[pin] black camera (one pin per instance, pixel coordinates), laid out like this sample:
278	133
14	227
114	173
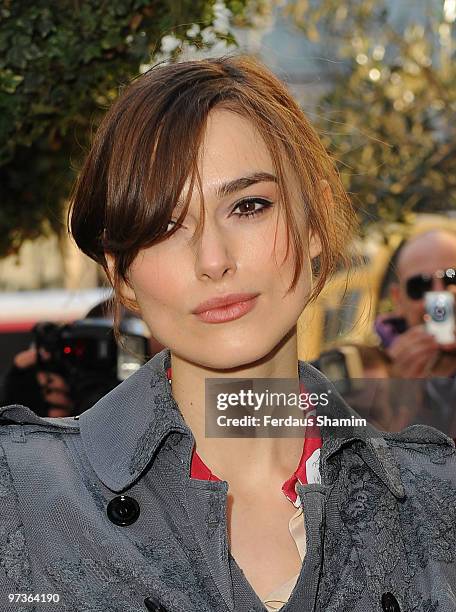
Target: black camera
343	366
86	354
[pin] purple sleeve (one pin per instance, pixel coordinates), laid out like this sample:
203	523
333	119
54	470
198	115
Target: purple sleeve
385	331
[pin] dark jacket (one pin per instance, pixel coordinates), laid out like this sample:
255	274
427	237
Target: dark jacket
101	511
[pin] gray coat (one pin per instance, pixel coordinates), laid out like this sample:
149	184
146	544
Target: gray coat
100	511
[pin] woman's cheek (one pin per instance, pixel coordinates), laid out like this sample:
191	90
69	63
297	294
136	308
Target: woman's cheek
149	280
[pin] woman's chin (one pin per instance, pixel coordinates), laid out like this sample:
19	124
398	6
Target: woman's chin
228	356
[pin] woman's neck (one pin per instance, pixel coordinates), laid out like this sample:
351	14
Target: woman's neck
231	458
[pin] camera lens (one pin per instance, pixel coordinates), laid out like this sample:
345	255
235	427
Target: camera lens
439	313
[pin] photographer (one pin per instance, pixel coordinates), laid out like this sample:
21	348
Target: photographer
70	367
424	263
423	369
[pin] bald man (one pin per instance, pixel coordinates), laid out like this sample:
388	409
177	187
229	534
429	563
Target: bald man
415	353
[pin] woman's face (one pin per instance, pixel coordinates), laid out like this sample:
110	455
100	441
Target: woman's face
234	254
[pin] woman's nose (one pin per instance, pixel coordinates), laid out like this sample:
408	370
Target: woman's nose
214	254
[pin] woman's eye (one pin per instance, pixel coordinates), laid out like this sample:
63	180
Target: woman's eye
171	224
250	204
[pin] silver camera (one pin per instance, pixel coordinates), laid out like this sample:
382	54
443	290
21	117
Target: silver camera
439	318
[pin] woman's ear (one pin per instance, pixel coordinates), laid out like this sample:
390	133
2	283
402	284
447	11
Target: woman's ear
325	198
125	293
315	247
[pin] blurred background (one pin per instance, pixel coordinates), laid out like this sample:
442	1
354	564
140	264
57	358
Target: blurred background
376	77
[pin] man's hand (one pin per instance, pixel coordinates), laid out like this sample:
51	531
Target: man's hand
414	353
448	348
54	389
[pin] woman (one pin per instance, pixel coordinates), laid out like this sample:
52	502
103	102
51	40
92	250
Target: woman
199	177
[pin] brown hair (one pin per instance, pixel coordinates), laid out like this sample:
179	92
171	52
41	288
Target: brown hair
147	146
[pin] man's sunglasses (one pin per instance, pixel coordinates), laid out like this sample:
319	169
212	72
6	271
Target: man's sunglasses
416	286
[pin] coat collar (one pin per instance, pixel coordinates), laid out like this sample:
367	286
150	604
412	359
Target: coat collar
123	431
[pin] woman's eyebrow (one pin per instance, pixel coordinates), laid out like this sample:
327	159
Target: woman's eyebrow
238	184
244	182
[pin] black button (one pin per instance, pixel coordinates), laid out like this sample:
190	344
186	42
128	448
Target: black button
153	605
389	603
123	510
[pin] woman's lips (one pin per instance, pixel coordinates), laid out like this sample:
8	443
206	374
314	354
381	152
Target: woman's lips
227	313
